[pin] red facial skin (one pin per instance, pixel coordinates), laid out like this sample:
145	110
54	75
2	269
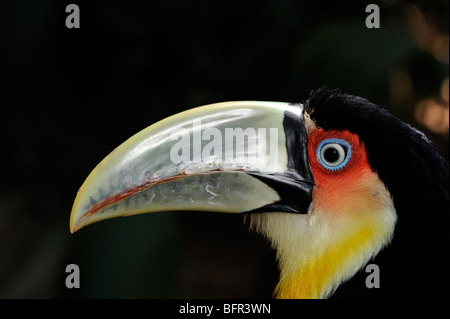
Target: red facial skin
344	188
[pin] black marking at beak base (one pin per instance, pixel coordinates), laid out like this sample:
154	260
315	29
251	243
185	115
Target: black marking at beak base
296	195
294	186
297	144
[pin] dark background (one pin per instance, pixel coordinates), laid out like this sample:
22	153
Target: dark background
70	96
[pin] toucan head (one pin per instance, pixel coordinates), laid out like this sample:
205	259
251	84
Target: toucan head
306	175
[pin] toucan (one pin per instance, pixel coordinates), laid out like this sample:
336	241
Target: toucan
335	183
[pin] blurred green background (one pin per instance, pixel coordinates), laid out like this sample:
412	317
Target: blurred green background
70	96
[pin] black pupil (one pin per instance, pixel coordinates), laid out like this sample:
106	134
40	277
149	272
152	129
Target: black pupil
331	155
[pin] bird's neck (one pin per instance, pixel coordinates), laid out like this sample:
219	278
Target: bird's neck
319	273
320	250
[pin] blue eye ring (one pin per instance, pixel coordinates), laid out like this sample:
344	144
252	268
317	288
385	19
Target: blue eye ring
341	147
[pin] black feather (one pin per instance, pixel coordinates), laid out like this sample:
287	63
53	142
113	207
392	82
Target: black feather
416	263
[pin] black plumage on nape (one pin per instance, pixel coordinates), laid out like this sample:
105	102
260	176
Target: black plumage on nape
393	147
417	178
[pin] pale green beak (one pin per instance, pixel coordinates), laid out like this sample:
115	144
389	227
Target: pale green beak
231	157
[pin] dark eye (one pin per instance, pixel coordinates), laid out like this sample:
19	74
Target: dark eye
334	153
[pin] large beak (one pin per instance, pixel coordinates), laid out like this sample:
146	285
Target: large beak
229	157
